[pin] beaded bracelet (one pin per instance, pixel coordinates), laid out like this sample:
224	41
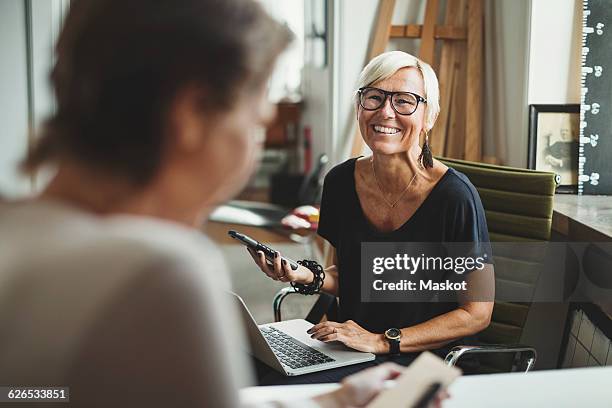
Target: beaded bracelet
316	284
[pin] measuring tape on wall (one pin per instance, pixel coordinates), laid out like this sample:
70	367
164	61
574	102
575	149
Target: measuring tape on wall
595	151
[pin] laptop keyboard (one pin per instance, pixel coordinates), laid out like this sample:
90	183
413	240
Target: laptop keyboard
292	352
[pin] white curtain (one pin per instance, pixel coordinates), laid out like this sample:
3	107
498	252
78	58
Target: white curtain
506	54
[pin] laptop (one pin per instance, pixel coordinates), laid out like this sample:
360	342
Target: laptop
286	347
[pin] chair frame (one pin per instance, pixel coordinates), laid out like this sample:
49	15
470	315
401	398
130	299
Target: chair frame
457	352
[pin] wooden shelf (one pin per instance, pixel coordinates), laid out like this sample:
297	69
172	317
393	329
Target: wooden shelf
283	132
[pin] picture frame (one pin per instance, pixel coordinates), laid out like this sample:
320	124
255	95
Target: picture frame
554	133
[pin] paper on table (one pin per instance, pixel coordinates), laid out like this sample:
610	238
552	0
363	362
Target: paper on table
415	381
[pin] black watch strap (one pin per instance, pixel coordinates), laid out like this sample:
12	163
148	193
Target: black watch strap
394	347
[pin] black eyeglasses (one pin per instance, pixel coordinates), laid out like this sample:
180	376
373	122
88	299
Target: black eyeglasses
404	103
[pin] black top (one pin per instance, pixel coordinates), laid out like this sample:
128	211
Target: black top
452	212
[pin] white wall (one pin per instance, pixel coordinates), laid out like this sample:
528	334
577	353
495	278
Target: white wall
554	57
532	57
506	59
13	97
353	26
317	86
46	21
285	80
18	111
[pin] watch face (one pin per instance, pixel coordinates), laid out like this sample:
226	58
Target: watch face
393	333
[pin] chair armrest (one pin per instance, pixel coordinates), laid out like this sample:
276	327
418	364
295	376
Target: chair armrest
278	301
457	352
326	304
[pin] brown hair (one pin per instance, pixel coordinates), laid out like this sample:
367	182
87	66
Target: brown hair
120	63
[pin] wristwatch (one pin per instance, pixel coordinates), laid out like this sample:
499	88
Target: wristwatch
393	336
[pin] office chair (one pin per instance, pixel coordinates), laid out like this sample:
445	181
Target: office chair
518	204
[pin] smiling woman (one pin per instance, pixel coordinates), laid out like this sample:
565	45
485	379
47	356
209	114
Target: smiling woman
391	62
398	194
410	80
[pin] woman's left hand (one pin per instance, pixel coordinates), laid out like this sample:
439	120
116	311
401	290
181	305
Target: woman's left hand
351	334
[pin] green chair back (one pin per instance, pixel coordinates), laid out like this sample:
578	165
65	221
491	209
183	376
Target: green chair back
518	204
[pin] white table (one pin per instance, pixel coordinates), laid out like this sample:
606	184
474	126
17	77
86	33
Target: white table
584	387
576	387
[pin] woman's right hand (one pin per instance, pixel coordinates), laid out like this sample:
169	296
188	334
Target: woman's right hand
280	270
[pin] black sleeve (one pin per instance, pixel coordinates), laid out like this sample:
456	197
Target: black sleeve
470	225
329	220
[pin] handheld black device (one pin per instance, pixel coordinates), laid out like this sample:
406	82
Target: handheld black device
428	396
258	246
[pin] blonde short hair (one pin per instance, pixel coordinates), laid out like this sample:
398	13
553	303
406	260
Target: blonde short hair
385	65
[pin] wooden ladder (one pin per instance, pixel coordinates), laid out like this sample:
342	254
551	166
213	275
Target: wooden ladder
458	129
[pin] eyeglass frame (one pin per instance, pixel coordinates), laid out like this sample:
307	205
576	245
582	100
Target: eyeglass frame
390	95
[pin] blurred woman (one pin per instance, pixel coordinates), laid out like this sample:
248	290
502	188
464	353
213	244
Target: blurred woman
107	287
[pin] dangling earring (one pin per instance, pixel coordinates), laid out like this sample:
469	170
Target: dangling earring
425	157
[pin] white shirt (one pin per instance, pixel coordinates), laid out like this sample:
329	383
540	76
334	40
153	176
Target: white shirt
126	311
